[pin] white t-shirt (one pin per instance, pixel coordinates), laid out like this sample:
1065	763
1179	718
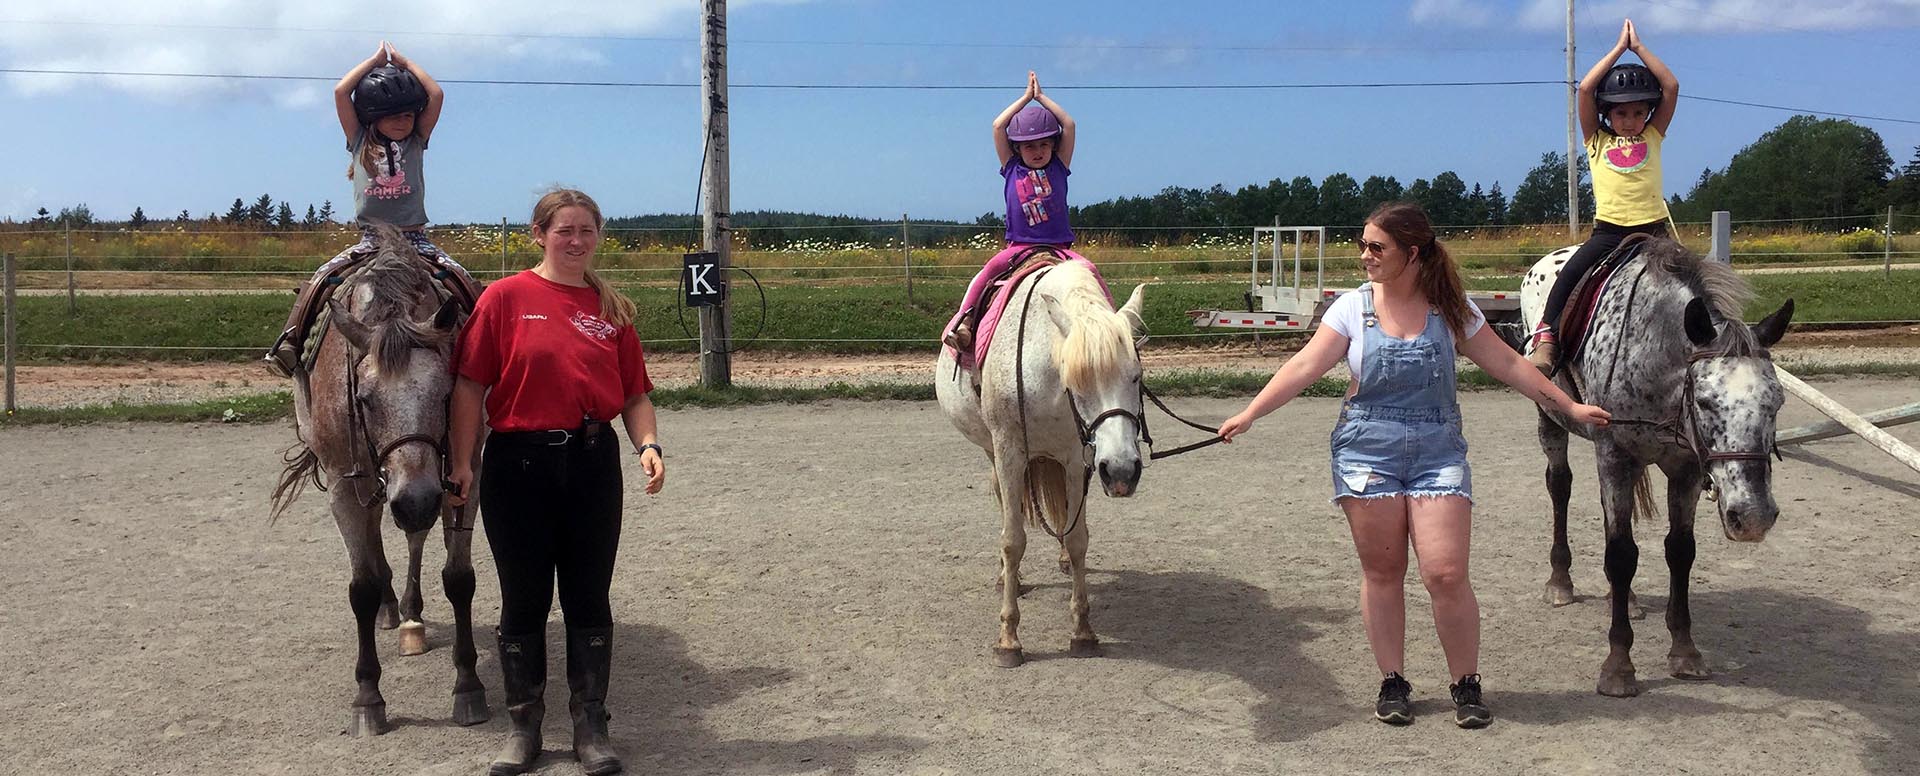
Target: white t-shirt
1348	315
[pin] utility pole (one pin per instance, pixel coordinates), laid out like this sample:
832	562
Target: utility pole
716	368
1573	135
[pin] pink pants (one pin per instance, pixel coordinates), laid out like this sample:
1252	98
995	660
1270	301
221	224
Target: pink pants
997	266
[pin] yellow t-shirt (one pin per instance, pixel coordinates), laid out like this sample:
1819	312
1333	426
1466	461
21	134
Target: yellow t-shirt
1626	177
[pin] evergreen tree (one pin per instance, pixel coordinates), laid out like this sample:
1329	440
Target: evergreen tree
1496	205
311	220
1340	202
40	217
139	218
326	211
1377	190
283	218
184	217
237	213
261	212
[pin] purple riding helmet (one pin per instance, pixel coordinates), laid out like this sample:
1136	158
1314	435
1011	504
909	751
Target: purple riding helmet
1032	123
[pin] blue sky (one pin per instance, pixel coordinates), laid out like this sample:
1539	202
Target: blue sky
166	143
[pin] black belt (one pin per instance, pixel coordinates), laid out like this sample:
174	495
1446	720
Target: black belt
555	437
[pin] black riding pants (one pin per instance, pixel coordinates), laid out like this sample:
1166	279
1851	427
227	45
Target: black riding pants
1606	237
552	512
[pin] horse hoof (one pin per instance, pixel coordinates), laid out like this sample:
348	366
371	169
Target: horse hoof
1066	567
413	638
368	721
1008	658
1688	667
1089	647
470	708
1558	596
1619	686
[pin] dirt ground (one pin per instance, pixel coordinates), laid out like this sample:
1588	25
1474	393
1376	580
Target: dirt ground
812	595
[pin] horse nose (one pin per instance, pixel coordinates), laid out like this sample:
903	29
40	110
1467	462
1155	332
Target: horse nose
416	507
1749	524
1120	479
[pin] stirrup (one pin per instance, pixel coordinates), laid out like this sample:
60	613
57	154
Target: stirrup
282	359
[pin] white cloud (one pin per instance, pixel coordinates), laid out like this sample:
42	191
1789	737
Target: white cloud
293	37
1716	16
1458	13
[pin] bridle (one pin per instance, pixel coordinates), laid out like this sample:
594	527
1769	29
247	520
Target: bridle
1083	427
377	454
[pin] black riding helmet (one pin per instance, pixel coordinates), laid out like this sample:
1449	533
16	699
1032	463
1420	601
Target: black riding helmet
385	91
1629	83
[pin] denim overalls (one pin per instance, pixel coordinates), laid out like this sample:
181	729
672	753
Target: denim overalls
1400	433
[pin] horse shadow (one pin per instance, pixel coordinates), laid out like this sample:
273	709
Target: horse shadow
1816	653
1213	624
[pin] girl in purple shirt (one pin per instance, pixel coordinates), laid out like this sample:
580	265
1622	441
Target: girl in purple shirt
1035	143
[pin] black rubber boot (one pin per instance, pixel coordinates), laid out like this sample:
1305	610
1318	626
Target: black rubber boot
523	661
589	663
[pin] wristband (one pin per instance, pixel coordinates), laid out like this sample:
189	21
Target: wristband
656	448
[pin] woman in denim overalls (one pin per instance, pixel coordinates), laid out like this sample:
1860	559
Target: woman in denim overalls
1399	461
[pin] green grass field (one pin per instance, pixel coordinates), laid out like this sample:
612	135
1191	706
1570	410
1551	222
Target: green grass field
868	318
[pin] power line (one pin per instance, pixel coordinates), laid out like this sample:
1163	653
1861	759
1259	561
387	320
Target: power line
688	40
1799	110
941	87
831	87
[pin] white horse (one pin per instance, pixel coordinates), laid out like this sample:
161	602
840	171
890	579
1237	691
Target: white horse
1058	397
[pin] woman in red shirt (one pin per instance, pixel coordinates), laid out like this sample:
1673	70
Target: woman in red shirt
552	354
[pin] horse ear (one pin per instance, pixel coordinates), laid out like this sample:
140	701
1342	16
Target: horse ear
1058	313
1771	328
1700	328
357	333
448	316
1136	303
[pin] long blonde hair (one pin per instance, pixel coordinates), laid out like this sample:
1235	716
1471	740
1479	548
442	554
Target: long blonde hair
614	307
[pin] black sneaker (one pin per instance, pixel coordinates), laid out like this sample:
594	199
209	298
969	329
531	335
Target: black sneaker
1394	706
1468	712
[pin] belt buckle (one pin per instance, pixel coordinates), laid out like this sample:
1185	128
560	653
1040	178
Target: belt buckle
565	437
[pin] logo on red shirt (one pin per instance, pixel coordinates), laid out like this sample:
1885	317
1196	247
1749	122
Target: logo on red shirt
593	327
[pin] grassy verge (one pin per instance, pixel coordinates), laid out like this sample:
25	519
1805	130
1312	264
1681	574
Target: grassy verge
835	319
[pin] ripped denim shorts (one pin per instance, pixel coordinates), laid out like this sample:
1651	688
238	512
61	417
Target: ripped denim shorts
1391	451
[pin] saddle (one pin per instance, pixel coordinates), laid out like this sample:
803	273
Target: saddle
1572	326
984	318
448	285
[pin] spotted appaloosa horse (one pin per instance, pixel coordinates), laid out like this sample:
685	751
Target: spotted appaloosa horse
1057	399
1692	391
372	418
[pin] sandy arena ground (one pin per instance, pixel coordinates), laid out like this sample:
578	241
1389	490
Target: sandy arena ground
812	595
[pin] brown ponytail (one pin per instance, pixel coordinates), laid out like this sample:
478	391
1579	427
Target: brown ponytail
1439	277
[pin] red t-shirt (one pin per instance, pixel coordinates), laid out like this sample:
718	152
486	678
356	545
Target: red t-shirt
548	358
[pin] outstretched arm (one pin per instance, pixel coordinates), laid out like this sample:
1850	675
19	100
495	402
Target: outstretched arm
1487	350
1001	145
1323	351
1063	150
343	92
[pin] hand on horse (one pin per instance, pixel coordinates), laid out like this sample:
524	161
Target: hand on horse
655	468
461	479
1589	414
1234	427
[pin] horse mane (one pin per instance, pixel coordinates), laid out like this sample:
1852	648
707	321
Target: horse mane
1725	292
398	279
1101	340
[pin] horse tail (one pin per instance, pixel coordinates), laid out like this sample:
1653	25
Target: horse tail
1047	482
1645	508
300	468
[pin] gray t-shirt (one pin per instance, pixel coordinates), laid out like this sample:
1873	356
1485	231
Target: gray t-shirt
395	192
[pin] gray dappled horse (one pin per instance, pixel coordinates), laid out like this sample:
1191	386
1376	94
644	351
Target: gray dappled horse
1691	390
1058	398
372	419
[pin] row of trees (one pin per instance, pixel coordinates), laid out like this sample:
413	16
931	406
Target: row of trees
1806	168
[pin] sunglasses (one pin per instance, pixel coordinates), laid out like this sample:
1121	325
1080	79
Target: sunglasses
1369	246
